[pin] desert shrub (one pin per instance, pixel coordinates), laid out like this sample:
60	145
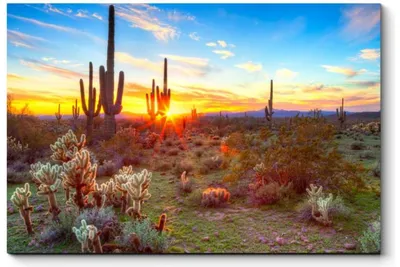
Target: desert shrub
132	160
270	193
198	153
198	142
169	142
108	168
182	166
377	170
17	177
210	164
215	197
370	241
182	147
58	231
357	145
151	140
185	184
148	236
194	199
104	219
15	148
163	150
367	155
163	166
173	152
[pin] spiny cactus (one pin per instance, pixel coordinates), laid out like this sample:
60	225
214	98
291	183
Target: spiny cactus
107	82
324	205
75	114
94	237
137	187
58	114
48	179
186	185
104	194
82	235
120	179
215	197
269	108
341	114
80	175
314	193
66	146
20	198
91	109
162	221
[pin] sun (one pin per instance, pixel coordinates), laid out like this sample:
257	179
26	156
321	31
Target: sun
168	114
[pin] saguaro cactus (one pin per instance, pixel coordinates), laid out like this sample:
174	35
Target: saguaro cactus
164	99
58	114
269	108
194	113
20	198
48	178
107	82
341	114
151	105
91	109
75	114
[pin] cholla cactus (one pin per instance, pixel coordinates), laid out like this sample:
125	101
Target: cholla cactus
314	193
82	234
66	146
323	207
161	223
120	179
48	179
20	198
15	146
104	194
186	185
259	168
215	197
80	174
137	187
94	237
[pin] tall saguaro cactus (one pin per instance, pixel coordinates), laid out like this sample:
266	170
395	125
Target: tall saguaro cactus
107	81
75	114
269	108
91	109
164	98
341	114
58	114
151	106
194	113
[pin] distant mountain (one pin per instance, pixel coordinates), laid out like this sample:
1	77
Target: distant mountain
278	113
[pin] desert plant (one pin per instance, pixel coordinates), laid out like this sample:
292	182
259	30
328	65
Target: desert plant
182	166
162	221
58	231
121	178
58	115
357	145
110	107
173	152
75	115
137	187
151	106
341	114
215	197
268	109
88	236
320	205
370	241
80	174
185	184
15	148
48	179
66	146
108	168
91	109
20	198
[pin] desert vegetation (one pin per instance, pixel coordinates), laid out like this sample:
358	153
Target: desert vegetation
189	183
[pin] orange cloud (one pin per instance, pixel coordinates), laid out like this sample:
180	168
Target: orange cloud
38	66
345	71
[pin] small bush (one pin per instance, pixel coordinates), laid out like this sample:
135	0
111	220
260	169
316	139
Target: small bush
198	153
377	170
211	163
58	231
370	241
173	152
357	146
367	155
183	166
17	177
163	166
131	160
269	193
198	142
108	168
168	142
148	236
215	197
214	142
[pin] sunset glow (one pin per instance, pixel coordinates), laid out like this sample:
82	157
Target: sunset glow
316	54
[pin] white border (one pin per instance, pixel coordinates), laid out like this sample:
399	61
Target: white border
390	175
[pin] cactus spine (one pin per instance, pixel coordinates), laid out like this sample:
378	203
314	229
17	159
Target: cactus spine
91	109
341	114
20	198
107	82
58	114
75	114
269	109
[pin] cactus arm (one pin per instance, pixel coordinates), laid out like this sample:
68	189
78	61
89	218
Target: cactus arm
103	91
98	108
120	91
83	100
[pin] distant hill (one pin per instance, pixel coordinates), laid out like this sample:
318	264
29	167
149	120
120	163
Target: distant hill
278	113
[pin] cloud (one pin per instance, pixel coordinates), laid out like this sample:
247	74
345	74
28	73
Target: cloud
222	44
250	66
370	54
56	61
285	74
20	39
361	22
194	36
48	8
211	44
57	27
312	88
138	62
82	14
43	67
348	72
196	61
224	53
97	16
365	83
146	17
177	16
13	76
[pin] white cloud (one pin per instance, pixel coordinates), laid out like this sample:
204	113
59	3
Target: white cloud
179	16
348	72
285	74
194	36
211	44
250	66
82	14
224	53
222	44
97	16
361	22
370	54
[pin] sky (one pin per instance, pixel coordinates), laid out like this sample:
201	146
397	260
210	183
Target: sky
220	56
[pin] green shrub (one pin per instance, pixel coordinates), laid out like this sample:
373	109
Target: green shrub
370	241
357	145
58	231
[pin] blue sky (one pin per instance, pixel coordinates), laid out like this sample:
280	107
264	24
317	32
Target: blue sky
221	56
